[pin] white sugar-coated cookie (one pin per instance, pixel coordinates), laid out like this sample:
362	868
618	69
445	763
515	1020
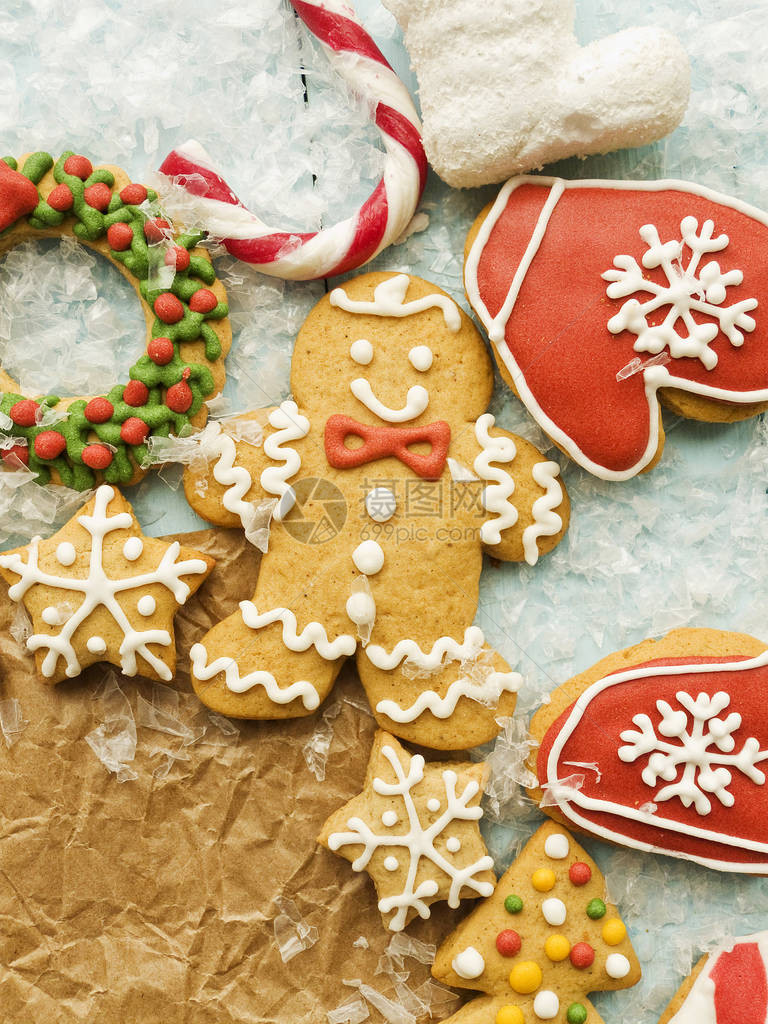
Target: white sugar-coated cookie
505	86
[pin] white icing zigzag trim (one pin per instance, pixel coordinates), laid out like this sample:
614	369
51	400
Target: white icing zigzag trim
445	647
289	425
547	522
488	692
238	481
313	634
495	496
419	841
239	684
389	300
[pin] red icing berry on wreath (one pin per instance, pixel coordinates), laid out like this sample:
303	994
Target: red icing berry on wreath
98	196
160	351
16	451
508	942
177	257
580	873
120	236
168	308
134	431
97	456
18	196
582	956
179	396
203	301
133	195
78	166
156	229
61	198
49	444
135	393
24	413
98	410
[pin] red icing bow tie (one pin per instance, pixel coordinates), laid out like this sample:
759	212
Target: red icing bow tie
379	442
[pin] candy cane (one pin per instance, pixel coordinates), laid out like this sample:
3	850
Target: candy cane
385	214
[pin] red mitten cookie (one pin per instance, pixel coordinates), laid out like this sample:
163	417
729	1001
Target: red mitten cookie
601	297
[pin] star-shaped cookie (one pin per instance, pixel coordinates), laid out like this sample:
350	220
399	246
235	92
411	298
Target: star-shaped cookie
100	590
414	829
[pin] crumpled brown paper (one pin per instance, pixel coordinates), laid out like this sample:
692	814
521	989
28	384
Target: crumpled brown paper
153	901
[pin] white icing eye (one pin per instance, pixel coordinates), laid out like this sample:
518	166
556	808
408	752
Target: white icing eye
421	357
146	605
96	644
132	548
390	863
361	351
389	818
65	553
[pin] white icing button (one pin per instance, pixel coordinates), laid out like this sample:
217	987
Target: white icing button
96	644
132	548
546	1005
51	616
361	351
361	608
453	845
146	605
433	804
380	504
469	963
421	357
390	863
65	553
389	818
368	558
617	966
557	846
554	912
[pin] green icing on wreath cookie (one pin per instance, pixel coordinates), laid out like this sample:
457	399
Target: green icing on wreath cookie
107	435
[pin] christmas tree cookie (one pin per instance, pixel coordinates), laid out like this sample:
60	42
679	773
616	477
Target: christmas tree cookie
414	829
546	938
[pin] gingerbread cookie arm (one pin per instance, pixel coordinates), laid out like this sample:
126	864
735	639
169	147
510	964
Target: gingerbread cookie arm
525	502
241	476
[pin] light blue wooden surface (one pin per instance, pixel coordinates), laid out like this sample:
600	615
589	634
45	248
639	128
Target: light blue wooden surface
681	546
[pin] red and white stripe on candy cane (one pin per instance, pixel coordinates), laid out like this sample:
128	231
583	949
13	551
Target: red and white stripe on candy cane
381	219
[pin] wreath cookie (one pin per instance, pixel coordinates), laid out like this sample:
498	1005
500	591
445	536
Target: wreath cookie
188	332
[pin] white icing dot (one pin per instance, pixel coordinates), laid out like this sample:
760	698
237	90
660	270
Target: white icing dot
389	818
469	963
421	357
146	605
557	846
453	845
361	351
361	608
51	616
380	504
65	553
368	557
96	644
617	966
546	1005
132	548
554	912
433	804
390	863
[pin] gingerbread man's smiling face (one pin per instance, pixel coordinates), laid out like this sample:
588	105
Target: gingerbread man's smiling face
390	349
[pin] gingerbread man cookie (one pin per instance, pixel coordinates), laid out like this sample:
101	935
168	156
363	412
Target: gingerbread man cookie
391	480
